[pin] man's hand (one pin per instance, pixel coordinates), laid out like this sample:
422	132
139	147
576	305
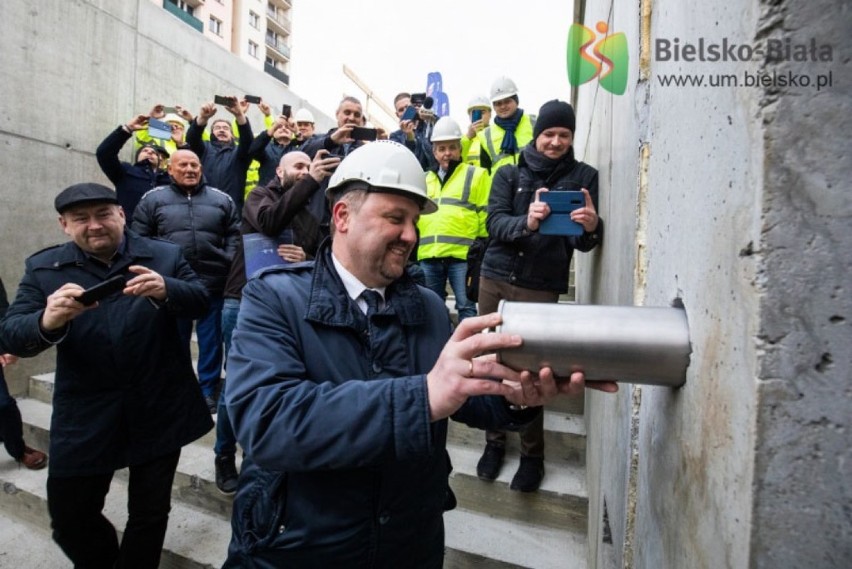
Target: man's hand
158	111
291	253
538	211
280	122
183	113
7	359
322	165
206	112
459	373
139	122
146	283
343	134
474	128
586	216
238	109
62	307
537	390
407	127
381	134
264	108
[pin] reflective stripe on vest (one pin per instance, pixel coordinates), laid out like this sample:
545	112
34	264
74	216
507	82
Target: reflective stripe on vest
492	153
446	239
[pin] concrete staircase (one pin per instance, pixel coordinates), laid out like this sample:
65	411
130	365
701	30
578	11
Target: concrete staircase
493	527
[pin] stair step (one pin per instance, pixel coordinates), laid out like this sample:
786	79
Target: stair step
194	540
195	477
564	437
476	540
28	546
560	502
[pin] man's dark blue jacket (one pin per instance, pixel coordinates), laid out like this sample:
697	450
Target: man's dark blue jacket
224	164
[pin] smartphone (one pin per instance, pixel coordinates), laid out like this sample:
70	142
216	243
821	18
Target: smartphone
362	133
410	113
226	101
562	203
101	290
168	110
253	99
286	110
159	129
476	115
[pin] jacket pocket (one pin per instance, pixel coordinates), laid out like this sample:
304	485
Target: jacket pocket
260	508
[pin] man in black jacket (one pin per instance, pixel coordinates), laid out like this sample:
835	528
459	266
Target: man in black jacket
132	180
224	160
522	264
277	211
125	393
205	223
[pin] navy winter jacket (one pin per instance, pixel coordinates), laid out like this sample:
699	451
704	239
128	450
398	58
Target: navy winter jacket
125	390
224	164
343	467
131	181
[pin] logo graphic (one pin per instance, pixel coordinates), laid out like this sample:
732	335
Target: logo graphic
608	64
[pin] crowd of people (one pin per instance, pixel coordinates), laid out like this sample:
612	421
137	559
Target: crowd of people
314	269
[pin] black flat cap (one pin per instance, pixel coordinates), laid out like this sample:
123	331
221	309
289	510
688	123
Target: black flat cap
85	193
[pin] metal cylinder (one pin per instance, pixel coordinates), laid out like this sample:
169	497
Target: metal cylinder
634	344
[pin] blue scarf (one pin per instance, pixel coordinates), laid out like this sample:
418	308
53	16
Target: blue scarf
510	143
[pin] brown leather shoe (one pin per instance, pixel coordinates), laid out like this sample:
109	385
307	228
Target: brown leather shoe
33	459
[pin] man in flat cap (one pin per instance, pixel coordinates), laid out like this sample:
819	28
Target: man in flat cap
125	392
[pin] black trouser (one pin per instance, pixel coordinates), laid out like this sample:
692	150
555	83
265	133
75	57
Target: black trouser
89	539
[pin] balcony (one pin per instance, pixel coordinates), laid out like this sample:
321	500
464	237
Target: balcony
191	21
278	21
277	73
282	49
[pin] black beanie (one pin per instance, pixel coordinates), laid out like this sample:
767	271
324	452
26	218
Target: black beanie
554	113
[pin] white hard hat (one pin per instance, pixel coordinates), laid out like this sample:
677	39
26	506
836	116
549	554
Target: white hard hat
304	115
503	88
478	102
172	117
446	129
384	164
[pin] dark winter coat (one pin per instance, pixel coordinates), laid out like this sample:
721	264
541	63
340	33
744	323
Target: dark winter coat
204	223
125	390
268	154
224	164
525	258
131	181
343	467
271	209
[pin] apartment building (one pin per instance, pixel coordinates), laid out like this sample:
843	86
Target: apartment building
256	30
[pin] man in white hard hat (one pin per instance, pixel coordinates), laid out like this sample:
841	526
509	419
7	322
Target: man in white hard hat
461	192
479	112
501	142
342	375
305	124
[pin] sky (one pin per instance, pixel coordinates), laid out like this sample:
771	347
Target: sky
392	45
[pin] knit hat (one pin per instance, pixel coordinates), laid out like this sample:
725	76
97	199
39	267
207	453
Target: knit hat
554	113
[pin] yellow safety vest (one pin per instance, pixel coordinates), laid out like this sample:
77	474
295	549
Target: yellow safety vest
491	137
460	219
470	150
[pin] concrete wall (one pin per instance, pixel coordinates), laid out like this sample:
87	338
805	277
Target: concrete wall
74	70
734	200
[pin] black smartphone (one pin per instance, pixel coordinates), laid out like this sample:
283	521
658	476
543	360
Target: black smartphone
101	290
476	115
362	133
226	101
410	113
286	110
253	99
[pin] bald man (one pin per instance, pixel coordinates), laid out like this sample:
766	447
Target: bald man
204	221
278	211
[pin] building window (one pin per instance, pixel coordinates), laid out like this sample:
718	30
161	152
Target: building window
252	50
254	20
216	25
183	6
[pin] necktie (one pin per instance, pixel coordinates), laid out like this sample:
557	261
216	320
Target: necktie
373	299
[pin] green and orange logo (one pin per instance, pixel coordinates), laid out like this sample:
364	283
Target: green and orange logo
609	62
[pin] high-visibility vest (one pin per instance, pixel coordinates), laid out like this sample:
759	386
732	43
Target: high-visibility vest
470	150
460	219
491	137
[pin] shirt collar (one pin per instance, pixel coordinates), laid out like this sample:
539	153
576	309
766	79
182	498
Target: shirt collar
353	286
